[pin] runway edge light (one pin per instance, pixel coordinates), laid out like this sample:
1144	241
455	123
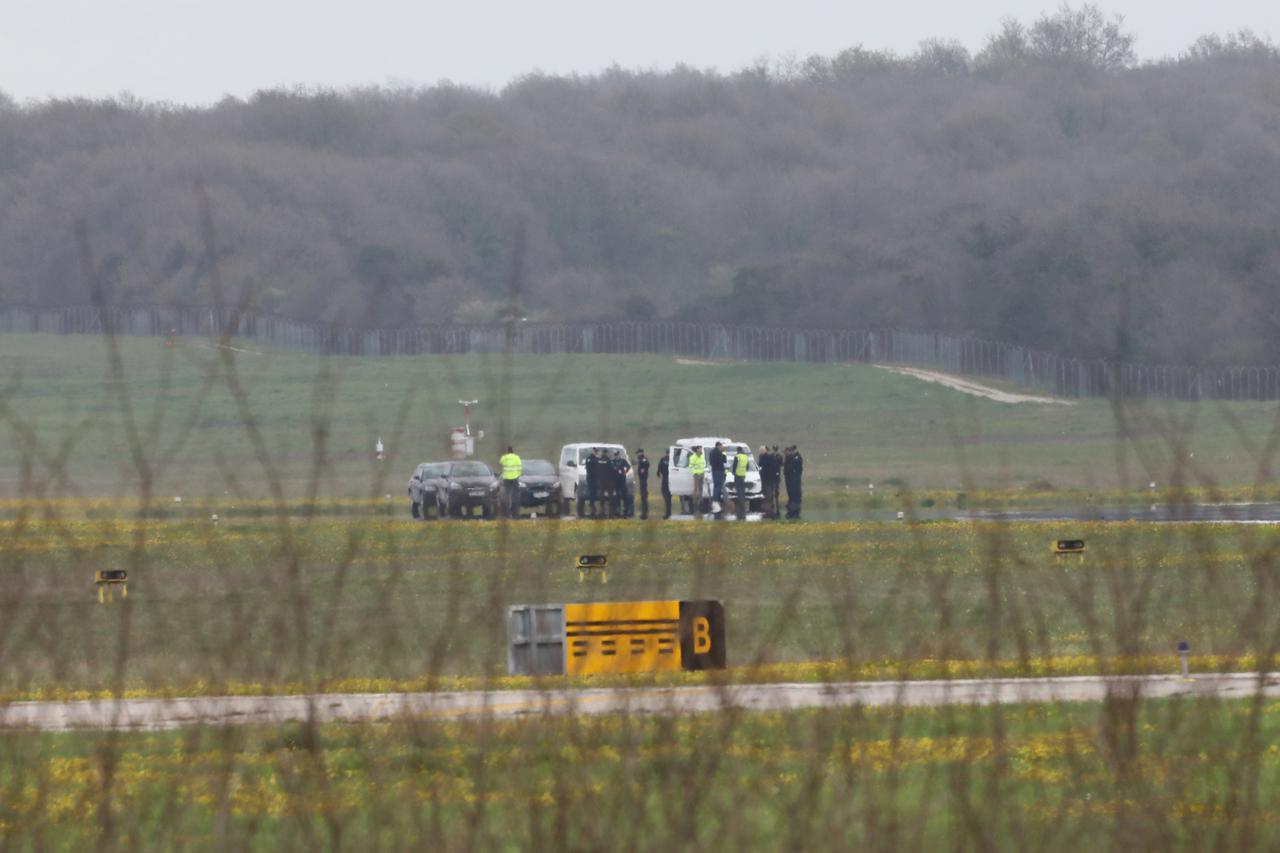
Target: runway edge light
1068	546
588	563
106	579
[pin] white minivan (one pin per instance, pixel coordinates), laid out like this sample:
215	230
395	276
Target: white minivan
680	477
573	471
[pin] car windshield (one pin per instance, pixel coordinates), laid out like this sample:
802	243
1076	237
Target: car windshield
471	469
538	467
435	469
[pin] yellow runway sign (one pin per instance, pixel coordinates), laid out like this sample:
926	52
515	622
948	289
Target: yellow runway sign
639	636
616	637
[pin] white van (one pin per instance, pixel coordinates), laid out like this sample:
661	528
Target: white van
681	478
573	472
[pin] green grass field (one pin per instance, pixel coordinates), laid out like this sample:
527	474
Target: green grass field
315	581
370	604
301	420
1166	775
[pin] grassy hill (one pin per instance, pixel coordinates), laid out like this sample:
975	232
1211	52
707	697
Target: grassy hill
295	414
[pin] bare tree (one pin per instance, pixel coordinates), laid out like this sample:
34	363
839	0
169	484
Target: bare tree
1242	44
1083	35
942	56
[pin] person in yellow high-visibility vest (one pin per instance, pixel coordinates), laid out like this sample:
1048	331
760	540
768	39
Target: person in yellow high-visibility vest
698	468
740	463
512	468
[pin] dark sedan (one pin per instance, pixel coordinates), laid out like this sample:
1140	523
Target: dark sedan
428	478
467	485
540	486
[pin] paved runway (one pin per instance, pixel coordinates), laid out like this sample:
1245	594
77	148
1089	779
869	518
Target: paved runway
349	707
1267	512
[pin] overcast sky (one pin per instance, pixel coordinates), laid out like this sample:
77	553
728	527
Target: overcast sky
197	51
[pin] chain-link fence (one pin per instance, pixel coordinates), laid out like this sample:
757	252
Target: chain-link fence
966	356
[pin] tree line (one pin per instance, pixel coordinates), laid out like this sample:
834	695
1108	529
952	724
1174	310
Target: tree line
1048	190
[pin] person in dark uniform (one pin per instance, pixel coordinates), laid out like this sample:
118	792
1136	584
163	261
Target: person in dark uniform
610	476
642	482
793	472
593	484
604	481
769	477
623	505
716	461
777	481
664	473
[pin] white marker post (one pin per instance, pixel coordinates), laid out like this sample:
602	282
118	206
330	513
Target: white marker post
377	448
1184	652
463	442
466	413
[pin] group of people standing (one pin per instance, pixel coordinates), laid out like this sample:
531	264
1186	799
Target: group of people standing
719	465
607	494
777	467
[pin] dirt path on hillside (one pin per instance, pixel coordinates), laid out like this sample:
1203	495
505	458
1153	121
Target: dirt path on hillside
966	386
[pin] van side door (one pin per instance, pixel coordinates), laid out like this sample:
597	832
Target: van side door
678	473
568	469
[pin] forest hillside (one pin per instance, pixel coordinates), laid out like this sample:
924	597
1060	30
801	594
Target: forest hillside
1048	190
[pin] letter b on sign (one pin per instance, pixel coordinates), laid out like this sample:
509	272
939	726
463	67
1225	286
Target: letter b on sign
702	635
